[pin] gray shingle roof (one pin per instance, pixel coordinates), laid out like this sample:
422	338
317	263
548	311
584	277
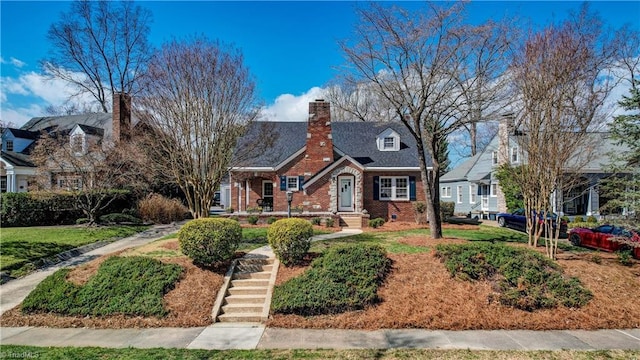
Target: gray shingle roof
17	159
91	130
355	139
24	134
62	123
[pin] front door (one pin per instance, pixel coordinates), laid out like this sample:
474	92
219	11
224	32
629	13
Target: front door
345	193
267	196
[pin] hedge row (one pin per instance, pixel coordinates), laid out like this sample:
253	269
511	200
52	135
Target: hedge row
51	208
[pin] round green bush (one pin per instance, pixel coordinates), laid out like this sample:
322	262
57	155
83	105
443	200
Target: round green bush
210	240
290	239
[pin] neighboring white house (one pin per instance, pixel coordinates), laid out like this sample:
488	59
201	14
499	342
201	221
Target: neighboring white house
475	190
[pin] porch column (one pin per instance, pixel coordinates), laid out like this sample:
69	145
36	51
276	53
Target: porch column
589	209
11	182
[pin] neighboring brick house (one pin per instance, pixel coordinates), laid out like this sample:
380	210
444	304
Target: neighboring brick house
353	170
17	172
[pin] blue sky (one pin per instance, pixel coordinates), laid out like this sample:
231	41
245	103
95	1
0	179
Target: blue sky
290	47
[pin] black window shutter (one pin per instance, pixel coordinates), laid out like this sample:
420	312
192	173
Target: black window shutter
412	188
283	183
376	188
300	182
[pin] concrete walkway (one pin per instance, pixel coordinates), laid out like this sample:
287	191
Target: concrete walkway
223	336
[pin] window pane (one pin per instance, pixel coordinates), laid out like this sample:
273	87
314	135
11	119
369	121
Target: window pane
292	183
385	188
402	188
9	145
388	143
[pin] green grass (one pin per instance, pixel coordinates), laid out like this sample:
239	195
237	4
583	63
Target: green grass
23	249
123	285
89	353
255	237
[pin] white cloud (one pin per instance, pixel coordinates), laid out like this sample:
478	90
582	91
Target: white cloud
19	116
13	61
288	107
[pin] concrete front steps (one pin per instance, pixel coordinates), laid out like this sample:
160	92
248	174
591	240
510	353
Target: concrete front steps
246	293
351	221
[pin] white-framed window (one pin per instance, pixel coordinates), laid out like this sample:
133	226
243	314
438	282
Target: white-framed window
9	145
77	143
445	192
473	193
292	183
388	140
70	183
3	184
459	193
394	188
515	155
494	189
494	158
389	143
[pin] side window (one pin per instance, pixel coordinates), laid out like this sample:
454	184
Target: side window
605	229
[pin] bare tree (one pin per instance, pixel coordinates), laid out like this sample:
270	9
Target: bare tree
417	63
199	97
562	76
100	47
96	173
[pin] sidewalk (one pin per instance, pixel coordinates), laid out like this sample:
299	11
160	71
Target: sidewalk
249	336
223	336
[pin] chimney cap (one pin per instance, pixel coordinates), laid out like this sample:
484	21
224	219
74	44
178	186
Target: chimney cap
319	100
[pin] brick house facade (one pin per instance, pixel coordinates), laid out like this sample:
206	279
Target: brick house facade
346	169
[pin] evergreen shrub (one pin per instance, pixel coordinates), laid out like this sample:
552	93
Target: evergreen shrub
210	240
290	239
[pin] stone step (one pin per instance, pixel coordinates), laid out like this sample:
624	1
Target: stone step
245	299
352	222
252	275
250	282
253	268
250	261
242	308
239	317
247	290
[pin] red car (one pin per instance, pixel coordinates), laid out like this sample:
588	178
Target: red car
601	238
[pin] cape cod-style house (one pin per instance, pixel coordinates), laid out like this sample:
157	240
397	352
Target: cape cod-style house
350	170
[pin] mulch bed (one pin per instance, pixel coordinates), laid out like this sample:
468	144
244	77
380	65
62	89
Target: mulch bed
418	293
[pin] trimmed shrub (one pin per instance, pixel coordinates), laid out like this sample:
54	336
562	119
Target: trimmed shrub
566	218
119	218
578	219
210	240
328	222
159	209
526	279
38	209
316	221
592	219
290	239
271	220
229	210
253	219
376	223
446	209
345	278
132	285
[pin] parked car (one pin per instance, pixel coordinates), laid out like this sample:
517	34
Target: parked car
602	238
517	220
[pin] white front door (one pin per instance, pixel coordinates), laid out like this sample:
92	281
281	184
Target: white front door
345	193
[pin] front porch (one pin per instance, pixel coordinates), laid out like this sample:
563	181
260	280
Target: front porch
348	220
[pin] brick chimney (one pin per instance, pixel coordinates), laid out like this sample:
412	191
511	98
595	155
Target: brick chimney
121	116
319	152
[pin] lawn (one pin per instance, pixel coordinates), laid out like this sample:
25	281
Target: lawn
72	353
23	249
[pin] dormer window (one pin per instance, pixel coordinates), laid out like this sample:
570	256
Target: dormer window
9	145
77	144
388	140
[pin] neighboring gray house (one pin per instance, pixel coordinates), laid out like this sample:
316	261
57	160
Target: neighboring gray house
473	188
17	172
